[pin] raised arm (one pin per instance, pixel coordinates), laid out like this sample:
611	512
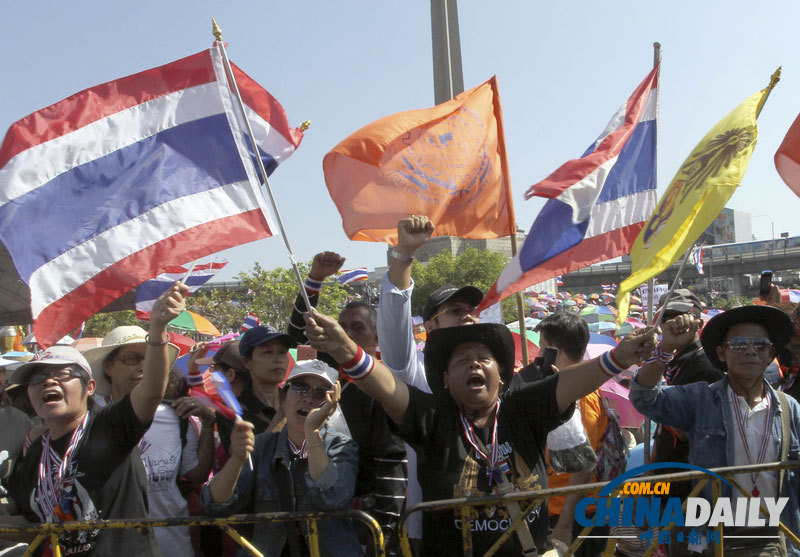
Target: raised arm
375	379
412	233
581	379
147	395
678	331
323	265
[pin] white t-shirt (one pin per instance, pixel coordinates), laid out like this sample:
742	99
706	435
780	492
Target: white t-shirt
163	460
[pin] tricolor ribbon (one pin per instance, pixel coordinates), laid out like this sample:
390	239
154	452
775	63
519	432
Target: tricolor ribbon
469	433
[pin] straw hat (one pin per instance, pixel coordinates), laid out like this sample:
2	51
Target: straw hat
121	336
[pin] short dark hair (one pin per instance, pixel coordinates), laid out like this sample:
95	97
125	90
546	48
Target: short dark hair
358	304
567	331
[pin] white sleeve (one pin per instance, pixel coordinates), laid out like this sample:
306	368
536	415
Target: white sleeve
189	458
396	335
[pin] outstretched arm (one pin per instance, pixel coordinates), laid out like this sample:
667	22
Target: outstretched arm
325	334
581	379
147	395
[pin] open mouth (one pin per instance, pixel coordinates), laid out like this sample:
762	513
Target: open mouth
52	396
476	381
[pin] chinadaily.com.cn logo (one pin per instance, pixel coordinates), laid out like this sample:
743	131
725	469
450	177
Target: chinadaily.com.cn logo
647	505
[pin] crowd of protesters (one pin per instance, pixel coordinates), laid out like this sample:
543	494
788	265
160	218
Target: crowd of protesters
117	433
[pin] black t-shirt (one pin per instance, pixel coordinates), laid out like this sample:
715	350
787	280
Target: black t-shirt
106	481
448	466
253	411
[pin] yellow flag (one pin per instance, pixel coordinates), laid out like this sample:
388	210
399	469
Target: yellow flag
696	195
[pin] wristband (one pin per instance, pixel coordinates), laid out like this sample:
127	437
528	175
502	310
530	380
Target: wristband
359	367
401	256
148	341
662	355
313	286
609	365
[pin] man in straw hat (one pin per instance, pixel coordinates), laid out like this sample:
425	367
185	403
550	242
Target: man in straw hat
738	420
85	465
470	409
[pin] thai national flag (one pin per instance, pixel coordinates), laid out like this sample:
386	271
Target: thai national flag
148	292
597	204
354	275
605	287
135	176
250	321
696	259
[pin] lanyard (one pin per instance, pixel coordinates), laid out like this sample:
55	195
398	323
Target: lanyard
49	487
299	452
476	444
764	438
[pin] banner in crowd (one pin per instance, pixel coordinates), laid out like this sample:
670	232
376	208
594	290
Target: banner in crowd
446	162
148	292
596	204
136	175
696	195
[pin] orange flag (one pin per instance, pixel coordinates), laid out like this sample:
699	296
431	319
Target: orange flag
447	162
787	157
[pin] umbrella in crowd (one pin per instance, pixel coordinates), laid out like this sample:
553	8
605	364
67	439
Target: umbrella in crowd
616	395
190	321
596	314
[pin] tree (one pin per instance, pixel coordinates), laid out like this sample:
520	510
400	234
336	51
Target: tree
100	324
476	267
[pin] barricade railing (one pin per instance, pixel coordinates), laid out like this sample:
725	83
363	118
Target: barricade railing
51	530
530	500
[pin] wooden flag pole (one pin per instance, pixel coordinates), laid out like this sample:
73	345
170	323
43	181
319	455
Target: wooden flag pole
215	30
512	223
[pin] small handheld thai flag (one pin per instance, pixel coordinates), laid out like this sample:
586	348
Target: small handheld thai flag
696	258
250	321
354	275
148	292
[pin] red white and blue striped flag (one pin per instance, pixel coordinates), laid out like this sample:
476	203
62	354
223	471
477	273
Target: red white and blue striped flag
136	175
148	292
250	321
597	204
353	275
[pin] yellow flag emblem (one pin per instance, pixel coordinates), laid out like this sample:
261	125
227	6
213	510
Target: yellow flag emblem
696	195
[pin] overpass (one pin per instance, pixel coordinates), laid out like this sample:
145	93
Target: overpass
732	261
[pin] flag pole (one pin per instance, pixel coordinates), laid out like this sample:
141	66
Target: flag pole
217	32
512	222
651	284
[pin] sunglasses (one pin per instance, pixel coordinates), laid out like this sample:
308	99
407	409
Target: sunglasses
131	358
740	344
317	394
60	375
458	311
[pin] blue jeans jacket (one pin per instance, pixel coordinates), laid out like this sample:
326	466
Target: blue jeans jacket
704	412
258	492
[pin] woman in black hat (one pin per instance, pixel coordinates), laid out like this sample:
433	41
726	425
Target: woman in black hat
473	435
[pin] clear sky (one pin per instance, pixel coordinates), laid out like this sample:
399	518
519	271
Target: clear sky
563	69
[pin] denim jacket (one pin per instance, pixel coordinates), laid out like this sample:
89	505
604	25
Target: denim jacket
258	492
704	412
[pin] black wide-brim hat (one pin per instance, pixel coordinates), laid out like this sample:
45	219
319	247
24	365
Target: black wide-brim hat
776	322
441	343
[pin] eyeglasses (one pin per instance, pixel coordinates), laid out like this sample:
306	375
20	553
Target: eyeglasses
60	375
304	389
131	358
458	311
740	344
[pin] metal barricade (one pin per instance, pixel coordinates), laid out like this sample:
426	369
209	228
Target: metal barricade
51	530
529	500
